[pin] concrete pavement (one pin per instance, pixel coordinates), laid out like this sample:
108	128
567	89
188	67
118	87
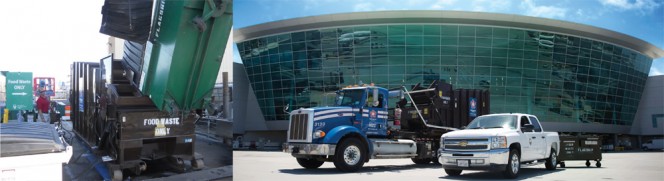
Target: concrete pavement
257	165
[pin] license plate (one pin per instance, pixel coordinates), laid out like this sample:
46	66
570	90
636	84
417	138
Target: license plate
462	163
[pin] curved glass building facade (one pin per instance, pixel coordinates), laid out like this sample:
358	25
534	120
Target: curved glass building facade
559	77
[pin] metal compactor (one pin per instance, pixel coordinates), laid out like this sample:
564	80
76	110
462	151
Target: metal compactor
142	105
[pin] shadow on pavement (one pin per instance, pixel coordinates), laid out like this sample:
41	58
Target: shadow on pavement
526	173
366	169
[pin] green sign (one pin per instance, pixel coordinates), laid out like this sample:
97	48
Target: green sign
19	91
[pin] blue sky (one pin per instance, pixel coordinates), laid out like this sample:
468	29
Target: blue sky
643	19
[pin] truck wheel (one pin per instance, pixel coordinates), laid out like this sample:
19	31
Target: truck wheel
421	161
350	155
451	172
645	148
309	163
513	165
552	161
587	163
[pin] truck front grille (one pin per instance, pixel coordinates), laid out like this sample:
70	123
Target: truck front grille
299	127
466	144
467	147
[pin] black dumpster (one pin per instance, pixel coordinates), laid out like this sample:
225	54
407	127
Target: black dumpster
580	148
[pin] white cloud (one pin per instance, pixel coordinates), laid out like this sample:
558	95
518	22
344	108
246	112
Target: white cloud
640	5
654	71
542	11
365	6
440	4
491	5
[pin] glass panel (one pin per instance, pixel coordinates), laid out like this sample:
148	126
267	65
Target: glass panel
431	30
396	30
466	31
484	32
449	30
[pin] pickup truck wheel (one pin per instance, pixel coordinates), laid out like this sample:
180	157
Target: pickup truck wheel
552	161
452	172
513	165
421	161
350	155
645	148
587	163
309	163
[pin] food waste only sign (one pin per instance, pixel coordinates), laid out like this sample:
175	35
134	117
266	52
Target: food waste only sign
19	91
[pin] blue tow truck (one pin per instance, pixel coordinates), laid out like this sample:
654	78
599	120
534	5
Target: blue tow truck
359	127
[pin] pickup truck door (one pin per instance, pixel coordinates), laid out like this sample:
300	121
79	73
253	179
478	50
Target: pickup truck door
528	142
540	148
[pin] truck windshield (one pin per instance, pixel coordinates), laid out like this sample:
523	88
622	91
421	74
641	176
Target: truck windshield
350	97
494	121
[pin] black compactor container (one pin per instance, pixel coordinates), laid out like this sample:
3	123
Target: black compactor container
580	148
435	110
123	126
441	105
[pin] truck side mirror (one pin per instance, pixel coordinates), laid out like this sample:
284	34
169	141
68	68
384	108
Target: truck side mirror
527	128
286	108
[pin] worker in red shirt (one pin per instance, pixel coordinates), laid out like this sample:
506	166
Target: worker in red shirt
43	107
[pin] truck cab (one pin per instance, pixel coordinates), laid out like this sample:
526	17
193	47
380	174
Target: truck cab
345	133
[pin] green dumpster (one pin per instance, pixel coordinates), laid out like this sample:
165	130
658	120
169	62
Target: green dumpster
580	148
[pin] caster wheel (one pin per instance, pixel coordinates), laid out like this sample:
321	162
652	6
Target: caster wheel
562	164
197	164
116	175
598	164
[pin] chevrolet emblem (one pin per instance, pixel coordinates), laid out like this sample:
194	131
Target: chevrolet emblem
463	143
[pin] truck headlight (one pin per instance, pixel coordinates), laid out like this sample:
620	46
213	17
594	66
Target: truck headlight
319	134
442	143
498	142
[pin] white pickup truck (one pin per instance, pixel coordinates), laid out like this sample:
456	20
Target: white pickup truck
499	142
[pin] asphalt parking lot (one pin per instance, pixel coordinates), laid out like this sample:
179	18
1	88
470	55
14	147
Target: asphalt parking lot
257	165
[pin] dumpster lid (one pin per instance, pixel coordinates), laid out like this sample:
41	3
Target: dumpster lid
29	138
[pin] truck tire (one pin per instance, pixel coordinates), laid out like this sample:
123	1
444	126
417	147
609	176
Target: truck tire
421	161
350	155
452	172
552	161
513	165
309	163
645	148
